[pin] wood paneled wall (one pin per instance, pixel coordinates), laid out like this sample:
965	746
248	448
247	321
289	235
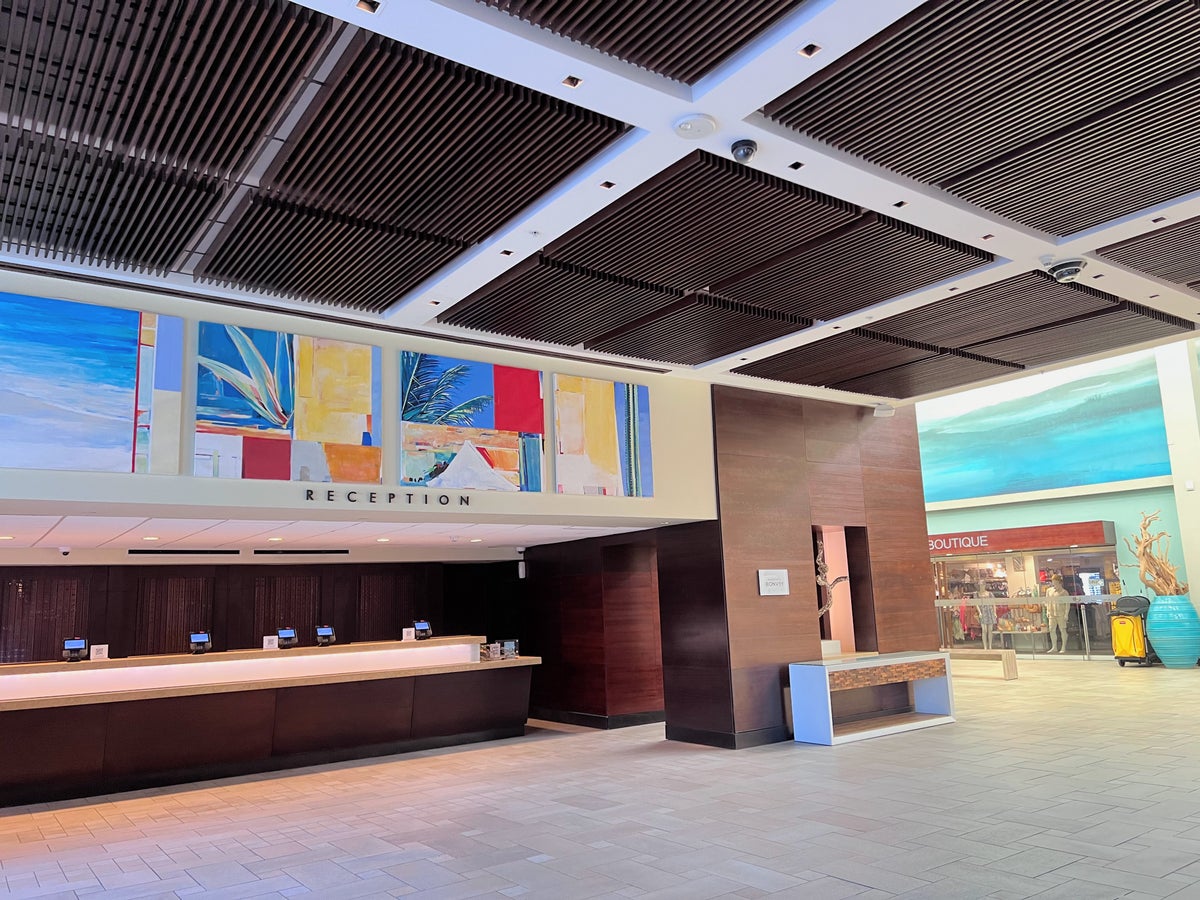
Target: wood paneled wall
592	615
141	610
785	464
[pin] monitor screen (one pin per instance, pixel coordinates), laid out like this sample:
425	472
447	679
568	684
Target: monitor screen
74	644
287	633
324	631
421	626
199	637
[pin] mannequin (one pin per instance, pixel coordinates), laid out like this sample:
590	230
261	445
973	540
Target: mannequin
1057	613
987	617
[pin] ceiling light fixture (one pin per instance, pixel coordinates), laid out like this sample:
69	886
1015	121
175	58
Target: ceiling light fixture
608	185
1158	219
435	302
506	253
6	537
572	81
150	538
884	411
796	165
808	51
275	540
899	204
476	540
383	540
370	6
695	126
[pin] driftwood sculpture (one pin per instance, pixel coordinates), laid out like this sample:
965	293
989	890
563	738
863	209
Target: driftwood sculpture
1151	552
823	580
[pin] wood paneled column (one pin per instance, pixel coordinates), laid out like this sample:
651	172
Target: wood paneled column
785	464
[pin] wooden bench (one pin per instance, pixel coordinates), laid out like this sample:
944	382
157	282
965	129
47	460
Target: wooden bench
1008	658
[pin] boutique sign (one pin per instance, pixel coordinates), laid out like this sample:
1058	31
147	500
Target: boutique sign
944	543
1032	537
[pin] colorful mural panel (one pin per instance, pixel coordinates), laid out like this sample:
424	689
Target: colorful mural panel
602	429
1088	424
466	424
90	388
286	407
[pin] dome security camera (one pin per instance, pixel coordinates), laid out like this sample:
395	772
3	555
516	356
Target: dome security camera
743	151
1066	270
65	551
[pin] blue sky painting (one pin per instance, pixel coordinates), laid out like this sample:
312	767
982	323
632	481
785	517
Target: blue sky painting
67	384
1089	424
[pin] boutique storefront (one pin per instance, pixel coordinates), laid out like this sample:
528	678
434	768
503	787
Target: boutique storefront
1041	589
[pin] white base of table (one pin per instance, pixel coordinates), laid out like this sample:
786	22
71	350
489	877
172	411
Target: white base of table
812	707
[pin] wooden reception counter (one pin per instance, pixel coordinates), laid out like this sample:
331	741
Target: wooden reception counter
74	729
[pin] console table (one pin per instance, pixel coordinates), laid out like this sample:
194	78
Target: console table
881	694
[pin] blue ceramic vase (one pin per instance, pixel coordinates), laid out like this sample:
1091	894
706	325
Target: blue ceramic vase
1174	630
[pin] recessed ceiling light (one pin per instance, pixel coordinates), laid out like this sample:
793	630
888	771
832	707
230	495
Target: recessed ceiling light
572	81
6	537
435	302
274	540
476	540
1158	219
837	327
1155	296
808	51
900	203
1098	275
796	165
988	237
506	253
371	6
608	185
150	538
743	359
954	289
383	540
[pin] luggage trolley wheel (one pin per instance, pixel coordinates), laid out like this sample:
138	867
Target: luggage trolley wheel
1121	663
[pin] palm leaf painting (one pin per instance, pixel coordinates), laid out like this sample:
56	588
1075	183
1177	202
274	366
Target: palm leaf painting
267	389
429	395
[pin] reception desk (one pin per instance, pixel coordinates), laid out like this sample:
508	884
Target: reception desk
75	729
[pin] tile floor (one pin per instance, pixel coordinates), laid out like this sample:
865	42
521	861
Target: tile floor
1078	781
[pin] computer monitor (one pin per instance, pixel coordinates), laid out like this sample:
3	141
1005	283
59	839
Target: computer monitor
287	636
421	630
74	649
199	641
325	635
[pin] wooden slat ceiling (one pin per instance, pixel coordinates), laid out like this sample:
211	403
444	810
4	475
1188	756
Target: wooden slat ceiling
340	184
681	39
1029	320
1057	115
1171	253
777	252
125	119
276	155
129	127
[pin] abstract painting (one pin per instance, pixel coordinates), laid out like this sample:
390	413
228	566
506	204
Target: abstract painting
1088	424
602	430
466	424
286	407
91	388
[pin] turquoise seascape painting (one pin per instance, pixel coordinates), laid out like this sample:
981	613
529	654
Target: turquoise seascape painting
1090	424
